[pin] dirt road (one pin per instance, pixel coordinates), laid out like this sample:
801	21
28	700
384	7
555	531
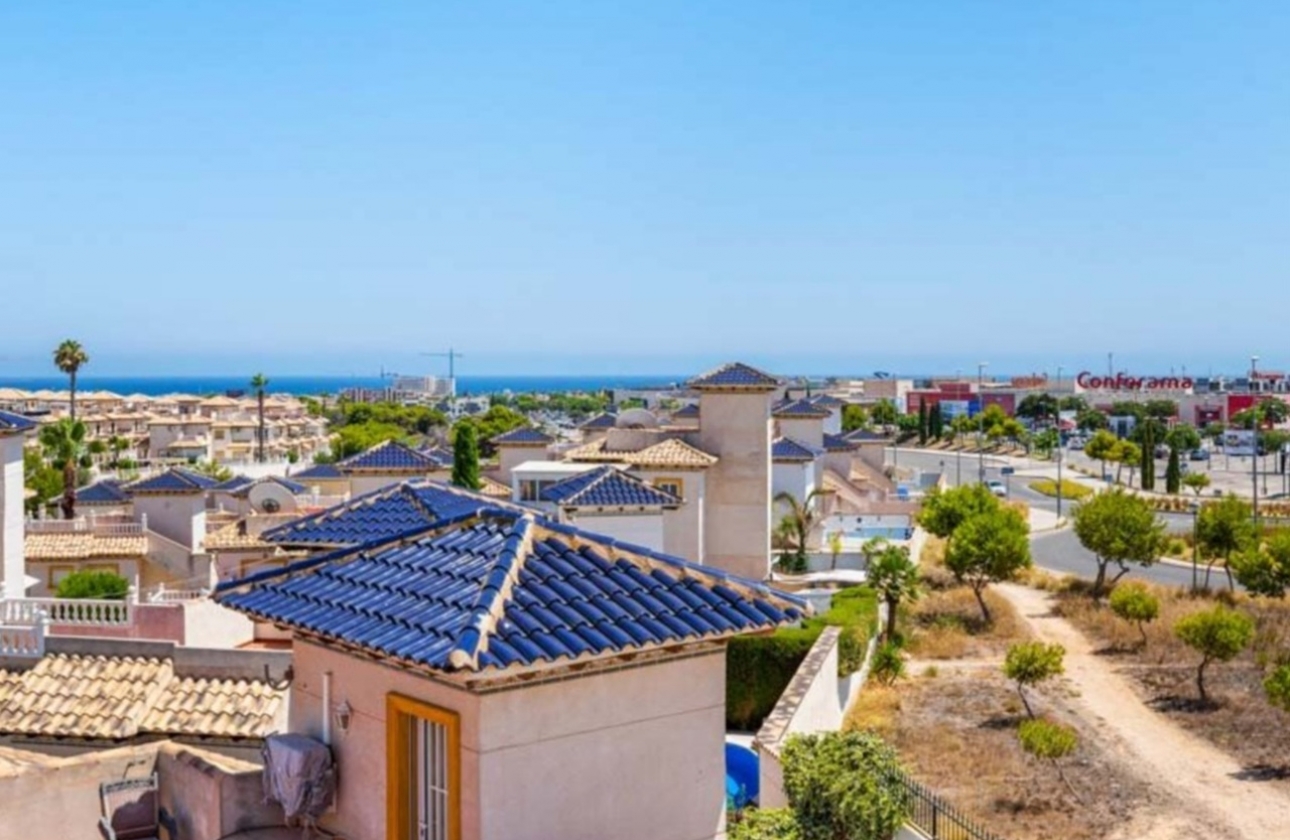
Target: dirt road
1200	787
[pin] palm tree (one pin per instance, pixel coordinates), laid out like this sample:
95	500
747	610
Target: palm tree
893	576
64	444
259	382
797	524
70	356
118	445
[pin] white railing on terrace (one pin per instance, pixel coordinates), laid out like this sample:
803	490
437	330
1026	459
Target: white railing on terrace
78	612
98	527
163	595
26	640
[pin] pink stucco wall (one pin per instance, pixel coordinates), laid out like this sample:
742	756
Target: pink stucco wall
162	622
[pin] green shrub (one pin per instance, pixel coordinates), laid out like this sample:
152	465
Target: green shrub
1176	548
888	664
1070	489
1277	688
767	824
844	785
1045	739
1030	663
91	584
1217	634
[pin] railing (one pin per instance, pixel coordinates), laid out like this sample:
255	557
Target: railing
938	819
162	595
26	640
99	528
79	612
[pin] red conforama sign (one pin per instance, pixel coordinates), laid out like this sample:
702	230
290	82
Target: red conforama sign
1121	382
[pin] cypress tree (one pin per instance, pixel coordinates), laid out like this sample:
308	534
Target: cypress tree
937	422
465	457
922	423
1173	473
1148	457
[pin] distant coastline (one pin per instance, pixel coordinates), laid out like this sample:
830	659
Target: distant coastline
157	385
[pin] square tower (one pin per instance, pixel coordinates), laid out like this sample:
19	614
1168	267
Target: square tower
13	429
735	425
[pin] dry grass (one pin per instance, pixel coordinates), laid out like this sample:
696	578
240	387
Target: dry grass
947	624
957	733
1163	672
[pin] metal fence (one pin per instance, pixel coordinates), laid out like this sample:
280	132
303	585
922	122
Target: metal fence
938	819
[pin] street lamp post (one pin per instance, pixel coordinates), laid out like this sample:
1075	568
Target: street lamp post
980	399
1059	476
1254	455
1195	544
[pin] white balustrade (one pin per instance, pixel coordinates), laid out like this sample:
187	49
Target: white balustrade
77	612
27	640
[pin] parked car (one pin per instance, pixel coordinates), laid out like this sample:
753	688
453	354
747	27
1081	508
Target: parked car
998	488
1198	455
1161	451
1077	443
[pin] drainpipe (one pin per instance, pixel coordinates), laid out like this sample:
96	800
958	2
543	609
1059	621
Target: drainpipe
326	710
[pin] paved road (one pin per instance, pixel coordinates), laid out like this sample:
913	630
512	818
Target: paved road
1057	551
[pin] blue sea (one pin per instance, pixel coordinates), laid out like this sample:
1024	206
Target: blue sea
154	385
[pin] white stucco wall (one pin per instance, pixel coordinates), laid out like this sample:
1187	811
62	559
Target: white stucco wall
736	427
179	517
634	755
794	478
683	527
644	529
12	559
360	484
808	430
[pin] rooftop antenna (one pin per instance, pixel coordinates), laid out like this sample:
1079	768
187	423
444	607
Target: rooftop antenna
452	356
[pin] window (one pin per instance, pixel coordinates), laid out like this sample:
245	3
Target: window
424	767
103	567
675	486
55	574
530	490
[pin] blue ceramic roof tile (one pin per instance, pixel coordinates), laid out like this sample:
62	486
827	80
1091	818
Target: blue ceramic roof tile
827	401
320	471
389	456
14	423
237	482
735	375
603	420
837	443
522	436
801	408
440	454
497	589
105	492
690	410
174	480
380	515
607	487
787	449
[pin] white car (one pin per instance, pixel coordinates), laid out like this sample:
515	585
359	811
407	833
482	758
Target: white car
998	488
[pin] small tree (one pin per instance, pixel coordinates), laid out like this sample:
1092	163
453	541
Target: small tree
1127	453
888	663
894	577
944	510
1132	602
1118	528
1196	482
988	548
1102	447
924	427
835	548
1222	529
1147	455
1030	663
1046	739
1216	634
844	785
1265	569
465	457
884	413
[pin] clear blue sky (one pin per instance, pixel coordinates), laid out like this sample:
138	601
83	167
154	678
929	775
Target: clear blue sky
582	187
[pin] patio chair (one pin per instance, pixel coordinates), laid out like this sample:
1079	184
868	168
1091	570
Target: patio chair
132	811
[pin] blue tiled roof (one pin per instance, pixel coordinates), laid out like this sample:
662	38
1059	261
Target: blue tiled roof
837	443
827	400
440	454
380	515
320	471
801	408
859	435
497	590
14	423
105	492
689	410
787	449
522	436
607	487
174	480
389	456
237	482
603	420
735	375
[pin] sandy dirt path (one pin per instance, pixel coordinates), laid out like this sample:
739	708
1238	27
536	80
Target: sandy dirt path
1205	796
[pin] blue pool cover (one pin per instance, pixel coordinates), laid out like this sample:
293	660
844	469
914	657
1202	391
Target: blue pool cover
741	776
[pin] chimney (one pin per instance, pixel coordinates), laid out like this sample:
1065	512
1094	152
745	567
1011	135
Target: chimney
14	566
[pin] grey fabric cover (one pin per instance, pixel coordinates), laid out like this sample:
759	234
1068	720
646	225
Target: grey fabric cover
299	775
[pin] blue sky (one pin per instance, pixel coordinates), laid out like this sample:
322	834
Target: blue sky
586	187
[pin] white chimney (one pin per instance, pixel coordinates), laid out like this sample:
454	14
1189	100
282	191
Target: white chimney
11	527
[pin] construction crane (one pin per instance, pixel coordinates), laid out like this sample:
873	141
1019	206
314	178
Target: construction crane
452	356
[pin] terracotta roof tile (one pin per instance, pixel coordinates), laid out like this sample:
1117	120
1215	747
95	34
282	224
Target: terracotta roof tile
81	546
492	487
671	452
215	708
